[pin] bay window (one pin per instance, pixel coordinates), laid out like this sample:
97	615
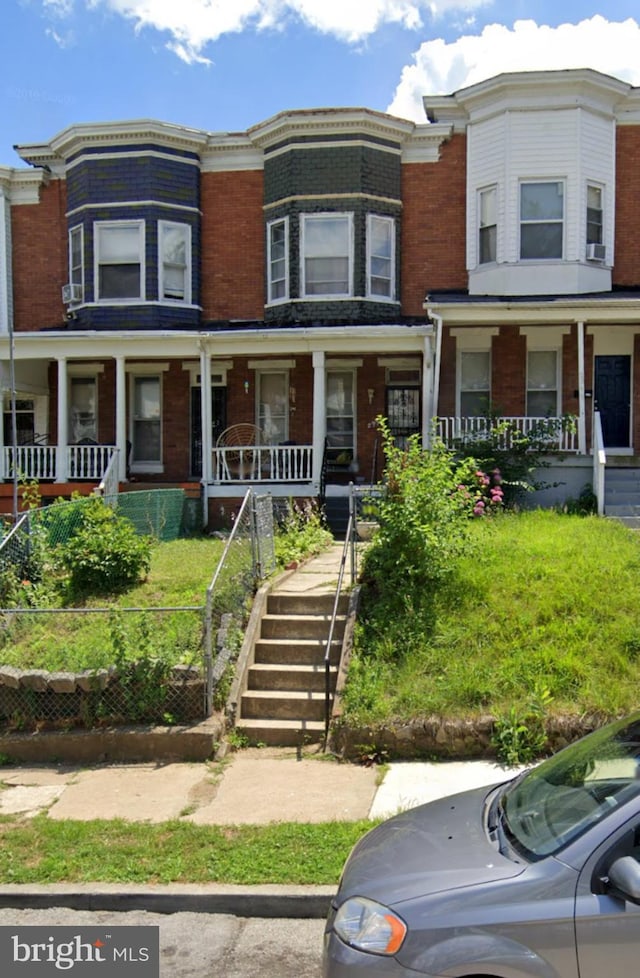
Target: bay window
326	255
119	251
278	260
380	257
541	220
174	262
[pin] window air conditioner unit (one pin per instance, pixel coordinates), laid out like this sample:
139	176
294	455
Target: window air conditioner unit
596	252
71	293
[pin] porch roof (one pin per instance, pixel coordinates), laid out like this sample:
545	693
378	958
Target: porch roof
615	307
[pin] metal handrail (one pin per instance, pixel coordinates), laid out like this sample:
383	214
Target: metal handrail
348	541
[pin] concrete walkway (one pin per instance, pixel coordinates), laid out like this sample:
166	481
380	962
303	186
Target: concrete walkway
253	786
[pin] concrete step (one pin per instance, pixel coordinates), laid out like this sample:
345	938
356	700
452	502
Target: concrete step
286	603
300	626
632	522
622	511
256	704
288	678
295	651
281	733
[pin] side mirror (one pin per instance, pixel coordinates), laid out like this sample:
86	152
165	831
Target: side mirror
624	879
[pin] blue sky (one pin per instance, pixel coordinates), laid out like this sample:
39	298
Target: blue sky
229	64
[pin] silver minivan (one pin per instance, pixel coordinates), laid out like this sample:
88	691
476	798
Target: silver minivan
539	876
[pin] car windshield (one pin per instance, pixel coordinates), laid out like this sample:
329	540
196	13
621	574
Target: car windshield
560	798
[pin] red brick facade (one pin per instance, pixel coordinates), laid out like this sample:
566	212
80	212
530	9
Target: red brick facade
40	262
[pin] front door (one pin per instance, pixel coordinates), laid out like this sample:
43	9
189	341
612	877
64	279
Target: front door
403	413
613	398
218	423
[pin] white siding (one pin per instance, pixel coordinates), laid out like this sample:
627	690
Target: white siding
572	145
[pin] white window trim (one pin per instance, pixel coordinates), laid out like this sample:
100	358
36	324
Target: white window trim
77	228
140	225
331	296
335	367
146	370
91	374
271	300
596	185
558	354
531	180
480	226
186	301
287	388
470	349
392	275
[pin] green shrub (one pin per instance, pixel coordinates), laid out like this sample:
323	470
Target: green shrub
300	533
104	555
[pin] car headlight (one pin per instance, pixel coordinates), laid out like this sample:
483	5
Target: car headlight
368	926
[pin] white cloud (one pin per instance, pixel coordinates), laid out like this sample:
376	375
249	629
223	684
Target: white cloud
441	68
194	23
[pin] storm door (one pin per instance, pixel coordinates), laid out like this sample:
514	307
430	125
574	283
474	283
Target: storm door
612	398
403	413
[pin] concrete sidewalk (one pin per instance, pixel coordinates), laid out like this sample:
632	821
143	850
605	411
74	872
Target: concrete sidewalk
253	786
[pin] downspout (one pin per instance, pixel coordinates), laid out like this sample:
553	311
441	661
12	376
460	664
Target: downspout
431	420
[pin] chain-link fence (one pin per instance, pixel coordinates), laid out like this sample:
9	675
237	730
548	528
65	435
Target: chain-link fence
161	513
160	665
249	556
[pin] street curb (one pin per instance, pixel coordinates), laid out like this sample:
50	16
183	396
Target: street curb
238	901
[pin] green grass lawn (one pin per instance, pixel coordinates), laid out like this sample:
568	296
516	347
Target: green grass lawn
40	850
180	574
542	600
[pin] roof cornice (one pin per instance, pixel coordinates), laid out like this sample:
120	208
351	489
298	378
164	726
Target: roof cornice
22	186
328	122
529	91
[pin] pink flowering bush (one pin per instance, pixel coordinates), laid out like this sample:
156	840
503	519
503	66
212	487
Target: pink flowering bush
484	494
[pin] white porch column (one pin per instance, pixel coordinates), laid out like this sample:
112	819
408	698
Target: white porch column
6	306
121	418
206	420
62	472
319	414
582	414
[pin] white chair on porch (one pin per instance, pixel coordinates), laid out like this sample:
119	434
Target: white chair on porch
241	455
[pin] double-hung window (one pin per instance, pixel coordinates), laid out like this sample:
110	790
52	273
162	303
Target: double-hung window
475	383
327	255
76	262
273	406
340	419
542	383
541	219
487	225
278	260
174	243
381	240
146	428
83	415
119	250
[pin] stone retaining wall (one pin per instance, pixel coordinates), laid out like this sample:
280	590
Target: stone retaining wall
439	738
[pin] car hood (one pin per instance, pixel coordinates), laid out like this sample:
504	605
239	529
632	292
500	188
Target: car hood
439	846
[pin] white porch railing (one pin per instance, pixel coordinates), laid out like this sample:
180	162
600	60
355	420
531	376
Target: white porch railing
559	434
30	461
39	461
109	483
89	461
263	463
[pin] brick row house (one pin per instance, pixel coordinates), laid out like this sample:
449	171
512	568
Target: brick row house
219	310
